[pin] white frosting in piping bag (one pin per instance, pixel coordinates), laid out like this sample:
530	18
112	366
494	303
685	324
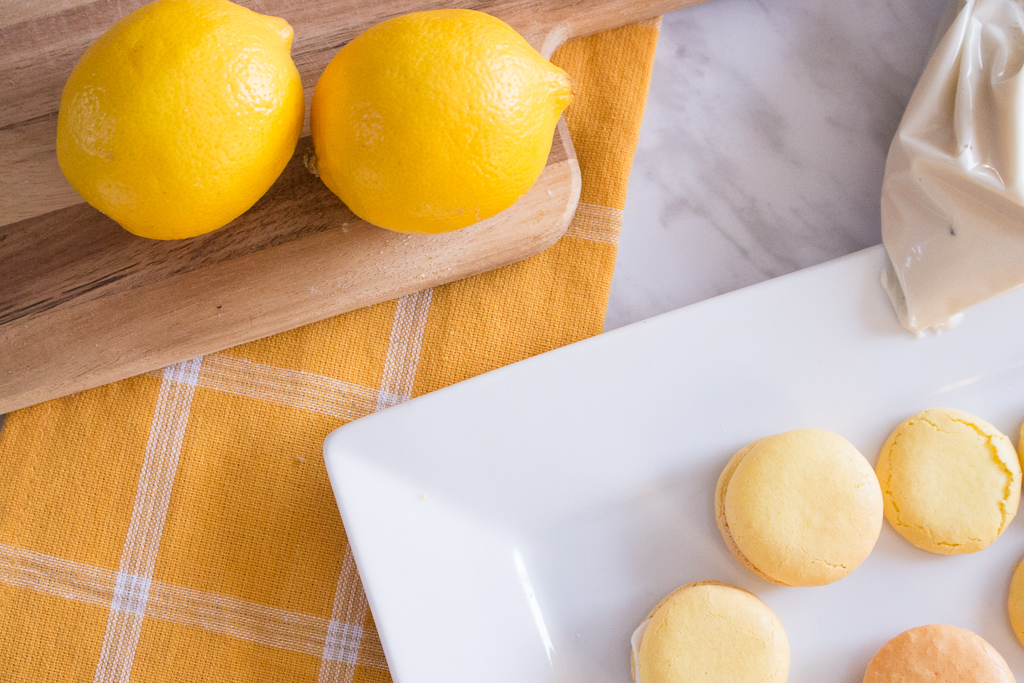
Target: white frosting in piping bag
953	195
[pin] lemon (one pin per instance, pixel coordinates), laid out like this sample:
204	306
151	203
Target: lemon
434	120
181	116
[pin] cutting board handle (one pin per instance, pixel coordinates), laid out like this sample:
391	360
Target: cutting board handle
554	23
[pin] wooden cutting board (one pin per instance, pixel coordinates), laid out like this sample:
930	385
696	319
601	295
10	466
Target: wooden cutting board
83	302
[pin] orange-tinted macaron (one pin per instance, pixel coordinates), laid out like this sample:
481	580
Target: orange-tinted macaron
938	654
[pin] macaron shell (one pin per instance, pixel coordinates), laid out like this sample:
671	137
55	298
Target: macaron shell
938	654
671	596
707	632
722	520
951	482
1015	603
803	507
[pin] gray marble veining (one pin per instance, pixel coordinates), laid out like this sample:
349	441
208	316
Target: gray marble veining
763	144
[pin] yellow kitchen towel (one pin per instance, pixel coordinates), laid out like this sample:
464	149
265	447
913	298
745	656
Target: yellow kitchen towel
179	526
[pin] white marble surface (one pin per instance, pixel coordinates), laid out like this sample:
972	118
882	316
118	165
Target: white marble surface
763	144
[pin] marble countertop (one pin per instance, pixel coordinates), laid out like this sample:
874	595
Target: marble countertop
763	143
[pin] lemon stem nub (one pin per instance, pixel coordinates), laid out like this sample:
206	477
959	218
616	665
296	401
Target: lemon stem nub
309	161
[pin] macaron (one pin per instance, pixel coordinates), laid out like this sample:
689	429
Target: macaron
1016	602
708	632
802	508
950	481
938	654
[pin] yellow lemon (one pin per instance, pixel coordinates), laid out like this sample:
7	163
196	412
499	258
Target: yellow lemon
181	116
434	120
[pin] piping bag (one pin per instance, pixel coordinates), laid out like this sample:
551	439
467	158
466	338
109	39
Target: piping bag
953	193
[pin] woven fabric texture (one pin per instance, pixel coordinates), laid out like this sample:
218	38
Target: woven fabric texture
179	526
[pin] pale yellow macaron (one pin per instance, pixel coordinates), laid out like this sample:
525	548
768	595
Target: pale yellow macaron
1016	602
938	654
708	632
802	508
951	481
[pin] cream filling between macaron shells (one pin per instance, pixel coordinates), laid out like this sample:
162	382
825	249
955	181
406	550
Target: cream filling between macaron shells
808	502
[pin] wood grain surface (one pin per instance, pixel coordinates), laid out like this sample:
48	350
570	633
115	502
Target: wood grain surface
83	302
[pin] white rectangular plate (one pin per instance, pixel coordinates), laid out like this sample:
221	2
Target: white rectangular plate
518	526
